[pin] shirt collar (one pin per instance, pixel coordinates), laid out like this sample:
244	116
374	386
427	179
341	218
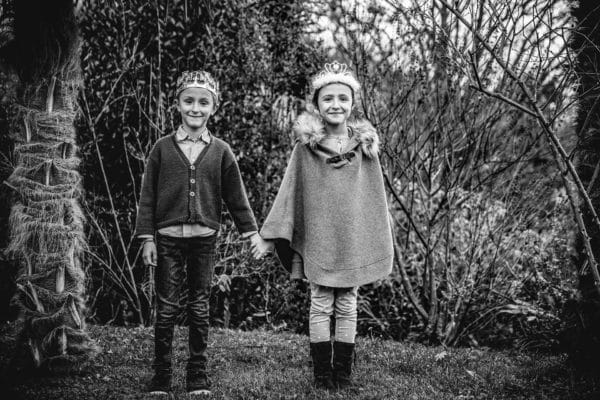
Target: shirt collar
182	135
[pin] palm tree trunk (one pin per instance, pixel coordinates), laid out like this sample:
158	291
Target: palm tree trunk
46	221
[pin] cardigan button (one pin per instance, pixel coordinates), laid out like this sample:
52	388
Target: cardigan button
192	181
192	167
192	194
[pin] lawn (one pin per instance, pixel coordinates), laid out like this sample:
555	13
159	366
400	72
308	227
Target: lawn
267	365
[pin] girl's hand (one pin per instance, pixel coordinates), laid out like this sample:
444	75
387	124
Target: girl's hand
149	253
260	246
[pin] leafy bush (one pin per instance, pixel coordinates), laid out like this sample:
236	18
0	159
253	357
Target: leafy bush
480	258
133	53
499	282
467	174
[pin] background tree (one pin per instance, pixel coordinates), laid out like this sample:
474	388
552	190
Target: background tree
46	222
8	84
479	258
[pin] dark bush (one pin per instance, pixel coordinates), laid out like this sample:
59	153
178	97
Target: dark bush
133	53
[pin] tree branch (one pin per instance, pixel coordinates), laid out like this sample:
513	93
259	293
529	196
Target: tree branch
560	155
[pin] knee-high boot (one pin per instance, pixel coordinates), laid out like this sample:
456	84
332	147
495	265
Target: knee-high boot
343	356
321	358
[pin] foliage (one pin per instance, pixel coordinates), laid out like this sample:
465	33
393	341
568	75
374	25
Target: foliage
482	226
505	283
466	172
134	52
264	365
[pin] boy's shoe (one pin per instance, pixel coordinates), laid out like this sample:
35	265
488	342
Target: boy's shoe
160	384
197	383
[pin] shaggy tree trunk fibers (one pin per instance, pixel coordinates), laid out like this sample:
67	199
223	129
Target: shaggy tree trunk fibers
46	221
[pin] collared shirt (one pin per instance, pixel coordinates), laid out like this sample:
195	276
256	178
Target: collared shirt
192	149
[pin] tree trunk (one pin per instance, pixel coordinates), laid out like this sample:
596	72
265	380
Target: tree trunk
46	221
8	85
585	43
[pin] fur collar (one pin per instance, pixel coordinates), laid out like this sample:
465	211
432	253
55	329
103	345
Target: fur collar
309	129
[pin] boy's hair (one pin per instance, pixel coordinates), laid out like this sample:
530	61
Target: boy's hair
333	73
198	79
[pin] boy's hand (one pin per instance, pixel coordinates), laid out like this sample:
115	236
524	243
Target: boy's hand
149	253
260	246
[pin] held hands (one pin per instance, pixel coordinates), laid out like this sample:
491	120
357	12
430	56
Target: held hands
260	247
149	253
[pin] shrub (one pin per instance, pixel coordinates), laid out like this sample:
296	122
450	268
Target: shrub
133	53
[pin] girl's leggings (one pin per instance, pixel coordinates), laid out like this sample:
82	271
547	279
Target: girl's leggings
327	301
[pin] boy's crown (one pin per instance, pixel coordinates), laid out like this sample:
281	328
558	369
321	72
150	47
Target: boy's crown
335	72
197	79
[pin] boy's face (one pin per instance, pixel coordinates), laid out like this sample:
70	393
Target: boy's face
335	103
196	105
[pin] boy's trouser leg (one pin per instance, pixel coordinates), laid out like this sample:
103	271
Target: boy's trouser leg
321	310
200	271
345	314
169	277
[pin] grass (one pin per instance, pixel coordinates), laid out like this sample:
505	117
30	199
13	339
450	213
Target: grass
267	365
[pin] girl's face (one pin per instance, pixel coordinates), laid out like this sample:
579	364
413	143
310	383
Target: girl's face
335	103
196	105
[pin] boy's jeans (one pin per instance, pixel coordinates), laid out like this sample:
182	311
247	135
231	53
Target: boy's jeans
174	254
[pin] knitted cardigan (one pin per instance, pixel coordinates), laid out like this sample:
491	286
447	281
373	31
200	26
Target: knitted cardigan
175	192
333	212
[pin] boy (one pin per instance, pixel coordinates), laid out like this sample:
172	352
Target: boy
188	174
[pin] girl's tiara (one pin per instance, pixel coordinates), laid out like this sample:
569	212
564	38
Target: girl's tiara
335	73
197	79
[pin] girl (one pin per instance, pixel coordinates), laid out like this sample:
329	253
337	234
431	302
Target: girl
329	221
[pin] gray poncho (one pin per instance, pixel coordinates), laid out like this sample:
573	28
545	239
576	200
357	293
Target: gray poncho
331	208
